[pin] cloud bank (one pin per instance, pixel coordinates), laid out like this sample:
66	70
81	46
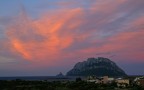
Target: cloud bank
72	31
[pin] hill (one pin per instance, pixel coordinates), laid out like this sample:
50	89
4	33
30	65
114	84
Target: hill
96	66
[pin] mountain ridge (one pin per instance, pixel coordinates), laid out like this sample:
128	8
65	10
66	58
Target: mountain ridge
96	66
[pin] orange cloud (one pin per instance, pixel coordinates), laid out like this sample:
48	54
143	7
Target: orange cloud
62	33
58	35
19	47
24	35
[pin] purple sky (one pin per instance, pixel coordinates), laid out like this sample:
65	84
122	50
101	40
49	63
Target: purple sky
45	37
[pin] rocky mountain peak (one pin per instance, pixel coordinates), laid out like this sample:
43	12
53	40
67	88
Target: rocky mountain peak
96	66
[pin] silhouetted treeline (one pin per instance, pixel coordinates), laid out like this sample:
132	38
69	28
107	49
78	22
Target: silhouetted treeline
57	85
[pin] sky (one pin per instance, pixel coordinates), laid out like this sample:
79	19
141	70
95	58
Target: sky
45	37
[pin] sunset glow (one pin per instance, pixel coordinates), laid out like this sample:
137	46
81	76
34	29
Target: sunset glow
56	34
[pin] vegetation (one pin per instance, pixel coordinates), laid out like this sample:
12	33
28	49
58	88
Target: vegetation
57	85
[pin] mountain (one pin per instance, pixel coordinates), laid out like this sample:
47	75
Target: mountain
60	75
96	66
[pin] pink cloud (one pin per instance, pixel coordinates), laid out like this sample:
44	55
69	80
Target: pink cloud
60	36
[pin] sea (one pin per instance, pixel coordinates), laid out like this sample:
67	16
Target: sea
53	78
42	78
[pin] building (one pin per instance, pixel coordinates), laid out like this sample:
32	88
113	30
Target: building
93	79
122	82
102	80
139	81
110	80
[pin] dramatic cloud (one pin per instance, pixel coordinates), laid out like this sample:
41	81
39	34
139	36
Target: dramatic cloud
72	31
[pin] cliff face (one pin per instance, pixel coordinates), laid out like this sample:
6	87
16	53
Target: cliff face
96	66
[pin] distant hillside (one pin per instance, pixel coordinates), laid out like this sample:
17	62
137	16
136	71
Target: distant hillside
96	66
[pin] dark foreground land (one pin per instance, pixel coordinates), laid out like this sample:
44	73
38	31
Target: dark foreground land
57	85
